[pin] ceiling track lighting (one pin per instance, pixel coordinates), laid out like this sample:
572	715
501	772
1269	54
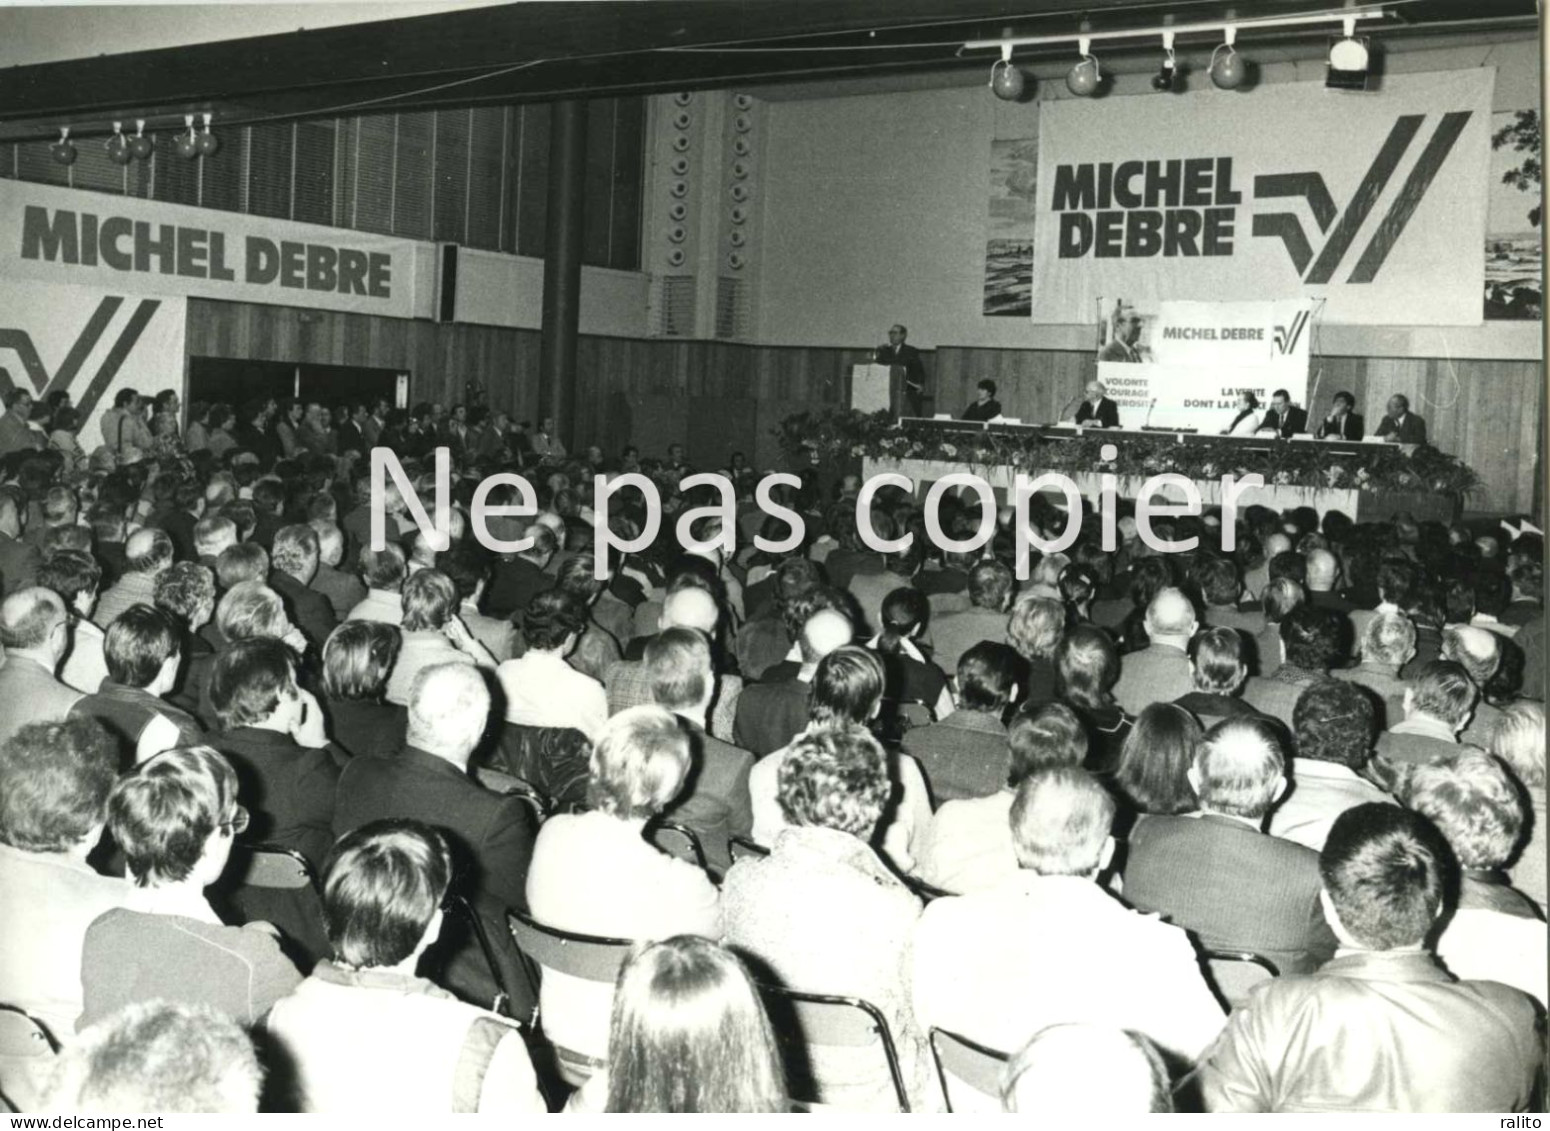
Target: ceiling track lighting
208	144
118	146
141	146
1350	60
63	150
188	143
1084	78
1166	79
1006	81
1228	69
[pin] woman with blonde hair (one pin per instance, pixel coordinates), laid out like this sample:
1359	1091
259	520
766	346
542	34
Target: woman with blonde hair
1519	740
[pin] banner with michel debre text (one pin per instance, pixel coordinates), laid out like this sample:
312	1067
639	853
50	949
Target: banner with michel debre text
131	246
1198	358
1374	202
90	343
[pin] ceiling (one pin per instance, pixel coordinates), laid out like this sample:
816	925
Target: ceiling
515	52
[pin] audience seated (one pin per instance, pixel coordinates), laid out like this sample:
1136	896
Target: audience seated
1439	700
294	557
1480	653
364	1017
1087	667
35	633
1387	645
1279	598
186	592
1049	946
823	914
175	818
965	755
431	633
74	576
357	659
1217	672
520	577
1520	743
1381	1028
771	714
968	845
1218	874
628	685
594	873
990	596
1334	727
342	590
909	676
1160	672
148	552
1310	647
157	1058
1035	629
1154	764
1078	1071
596	649
541	689
383	572
143	654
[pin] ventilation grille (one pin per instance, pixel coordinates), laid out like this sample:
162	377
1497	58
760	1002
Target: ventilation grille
731	308
675	306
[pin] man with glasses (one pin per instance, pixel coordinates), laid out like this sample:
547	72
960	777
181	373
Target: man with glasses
1127	332
900	353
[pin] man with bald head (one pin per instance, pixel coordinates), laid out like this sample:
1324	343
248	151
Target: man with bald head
36	635
770	715
148	552
1096	409
1159	673
1324	583
490	835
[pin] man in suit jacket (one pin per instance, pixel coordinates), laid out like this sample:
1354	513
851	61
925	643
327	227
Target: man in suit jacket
1400	425
1217	874
19	561
1382	1028
715	802
966	754
521	577
491	835
1311	639
36	635
990	595
1283	417
295	560
898	352
1127	332
1342	423
1438	702
1096	409
1160	672
770	715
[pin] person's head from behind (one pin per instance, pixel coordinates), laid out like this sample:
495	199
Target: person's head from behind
1310	638
186	591
174	817
847	687
383	569
552	621
1048	735
1280	597
1335	721
1170	616
987	677
75	576
1216	661
155	1057
1442	690
1519	741
358	657
990	586
1477	650
1086	667
448	706
689	1034
251	610
55	778
1389	640
823	632
1239	768
1061	819
1475	804
296	552
639	764
33	624
142	649
383	887
904	614
678	666
1382	869
1155	760
253	684
430	601
1036	627
243	562
330	542
1080	1069
834	779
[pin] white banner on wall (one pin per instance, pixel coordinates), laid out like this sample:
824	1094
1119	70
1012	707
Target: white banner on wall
90	343
1374	202
60	235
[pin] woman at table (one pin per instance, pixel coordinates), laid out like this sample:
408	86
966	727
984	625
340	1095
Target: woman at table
1246	423
984	406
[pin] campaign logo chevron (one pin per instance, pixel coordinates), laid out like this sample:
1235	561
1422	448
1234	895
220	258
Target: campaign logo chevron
1286	337
20	342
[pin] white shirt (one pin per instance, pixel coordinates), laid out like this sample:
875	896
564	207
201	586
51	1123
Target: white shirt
379	605
968	845
542	690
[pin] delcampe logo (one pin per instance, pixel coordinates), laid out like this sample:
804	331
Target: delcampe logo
1286	226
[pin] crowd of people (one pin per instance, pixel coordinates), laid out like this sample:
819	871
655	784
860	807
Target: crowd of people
1258	830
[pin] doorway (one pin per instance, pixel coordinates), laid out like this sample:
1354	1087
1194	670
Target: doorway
235	381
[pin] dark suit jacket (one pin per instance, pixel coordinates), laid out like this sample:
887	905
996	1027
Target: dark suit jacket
907	356
964	755
714	801
1231	886
515	582
1348	427
19	564
987	411
309	610
360	727
769	715
1107	413
288	789
1412	430
1295	422
179	526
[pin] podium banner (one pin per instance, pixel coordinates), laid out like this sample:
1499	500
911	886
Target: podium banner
1373	202
1233	334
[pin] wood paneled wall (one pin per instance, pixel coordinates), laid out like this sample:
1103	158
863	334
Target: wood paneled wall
714	396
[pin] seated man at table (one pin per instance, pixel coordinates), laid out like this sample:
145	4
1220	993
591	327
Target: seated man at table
1097	411
1342	423
985	406
1283	417
1399	425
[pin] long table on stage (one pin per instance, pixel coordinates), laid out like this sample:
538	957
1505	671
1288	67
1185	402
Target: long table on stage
1359	505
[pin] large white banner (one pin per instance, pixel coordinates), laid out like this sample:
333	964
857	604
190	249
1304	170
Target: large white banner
90	343
1374	202
60	235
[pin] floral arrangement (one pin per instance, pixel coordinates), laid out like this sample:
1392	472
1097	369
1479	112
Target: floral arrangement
837	436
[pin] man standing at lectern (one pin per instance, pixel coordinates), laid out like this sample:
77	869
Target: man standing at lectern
898	352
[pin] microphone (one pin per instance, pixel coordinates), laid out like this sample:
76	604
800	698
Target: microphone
1070	405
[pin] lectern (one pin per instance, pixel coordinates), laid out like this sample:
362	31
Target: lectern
874	388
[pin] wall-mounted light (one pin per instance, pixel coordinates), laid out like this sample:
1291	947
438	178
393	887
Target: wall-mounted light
1082	80
1167	79
1228	70
1349	60
1006	81
141	146
208	144
64	149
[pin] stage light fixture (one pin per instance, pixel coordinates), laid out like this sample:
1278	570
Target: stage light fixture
1228	70
1082	80
141	146
63	149
1349	60
208	144
118	146
1166	79
188	143
1006	81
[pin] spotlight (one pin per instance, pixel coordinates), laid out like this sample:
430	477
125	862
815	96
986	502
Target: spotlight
1165	79
1348	60
63	149
208	143
140	145
1006	81
118	146
1228	70
188	144
1082	80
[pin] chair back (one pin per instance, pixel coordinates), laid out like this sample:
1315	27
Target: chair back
589	957
832	1021
497	781
962	1059
680	841
459	908
743	848
1235	973
26	1057
555	761
269	866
